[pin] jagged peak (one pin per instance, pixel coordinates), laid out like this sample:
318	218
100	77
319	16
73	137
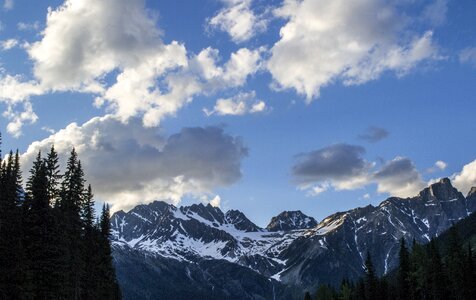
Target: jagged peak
290	220
441	189
240	221
471	192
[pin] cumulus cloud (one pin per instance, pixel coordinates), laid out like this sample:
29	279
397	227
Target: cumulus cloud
351	42
15	93
374	134
243	103
18	119
399	177
8	44
128	164
342	167
465	179
86	41
468	56
238	20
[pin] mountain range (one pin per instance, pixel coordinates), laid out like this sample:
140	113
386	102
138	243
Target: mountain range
200	252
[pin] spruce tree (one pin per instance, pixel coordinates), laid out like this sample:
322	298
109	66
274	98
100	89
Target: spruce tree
404	272
455	264
53	176
72	195
371	280
42	256
11	249
108	286
436	278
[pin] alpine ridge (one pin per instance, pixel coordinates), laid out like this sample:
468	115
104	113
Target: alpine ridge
161	249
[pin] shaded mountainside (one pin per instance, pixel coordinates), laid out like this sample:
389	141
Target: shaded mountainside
291	220
202	247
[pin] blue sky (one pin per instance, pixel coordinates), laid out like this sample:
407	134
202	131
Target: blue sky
261	106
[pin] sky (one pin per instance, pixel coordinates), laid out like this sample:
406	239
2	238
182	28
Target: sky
262	106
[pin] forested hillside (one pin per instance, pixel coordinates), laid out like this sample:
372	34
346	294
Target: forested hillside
52	245
442	269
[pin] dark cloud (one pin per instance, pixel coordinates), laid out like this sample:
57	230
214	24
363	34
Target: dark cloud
399	177
374	134
128	164
336	162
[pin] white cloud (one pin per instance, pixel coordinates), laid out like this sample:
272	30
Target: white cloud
128	164
8	4
468	56
351	42
8	44
240	104
465	179
215	201
15	92
28	26
19	118
441	165
86	40
238	20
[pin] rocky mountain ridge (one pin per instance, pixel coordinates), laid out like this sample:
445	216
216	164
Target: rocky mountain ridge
294	249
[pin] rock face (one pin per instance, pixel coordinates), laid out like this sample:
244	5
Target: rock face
291	220
200	252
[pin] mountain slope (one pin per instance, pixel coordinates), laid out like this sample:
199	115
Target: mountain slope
294	250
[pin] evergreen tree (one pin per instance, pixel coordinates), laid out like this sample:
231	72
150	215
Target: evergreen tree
307	296
11	249
436	279
455	264
371	281
42	255
72	195
53	176
404	272
469	276
324	292
418	263
108	286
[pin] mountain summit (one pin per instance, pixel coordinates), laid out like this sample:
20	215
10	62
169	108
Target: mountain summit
199	251
291	220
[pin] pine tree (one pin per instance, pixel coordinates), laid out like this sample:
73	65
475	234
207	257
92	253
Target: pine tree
109	286
455	264
72	195
53	176
42	255
418	276
11	249
469	275
404	272
307	296
371	281
436	279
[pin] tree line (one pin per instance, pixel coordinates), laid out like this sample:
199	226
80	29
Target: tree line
52	246
439	270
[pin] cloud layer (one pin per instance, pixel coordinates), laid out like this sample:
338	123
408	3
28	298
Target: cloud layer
128	165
